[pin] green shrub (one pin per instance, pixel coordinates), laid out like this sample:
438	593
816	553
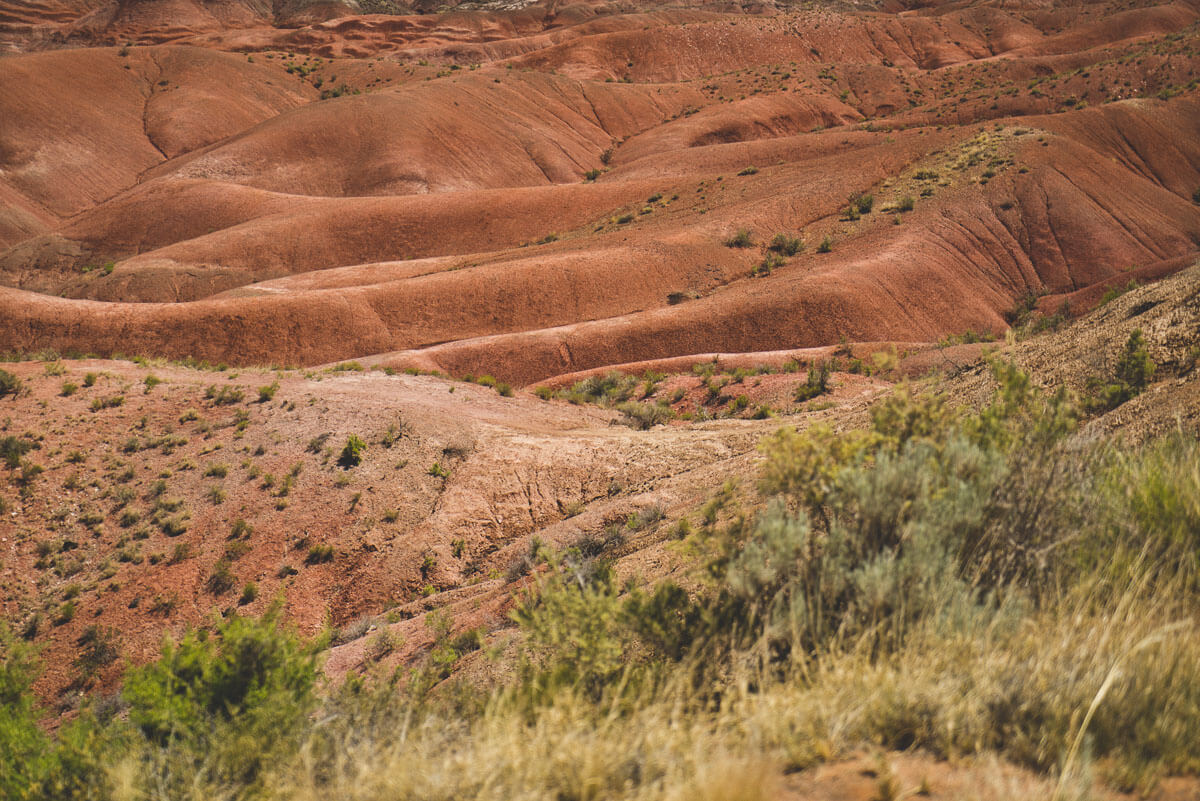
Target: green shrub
319	554
786	245
13	449
643	416
352	452
221	579
9	384
826	245
249	593
220	710
1131	375
740	239
769	263
27	758
816	383
267	393
225	396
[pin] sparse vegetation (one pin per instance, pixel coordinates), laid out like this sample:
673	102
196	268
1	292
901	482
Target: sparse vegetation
224	396
816	383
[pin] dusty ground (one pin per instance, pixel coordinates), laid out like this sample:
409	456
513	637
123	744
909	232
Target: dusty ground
541	192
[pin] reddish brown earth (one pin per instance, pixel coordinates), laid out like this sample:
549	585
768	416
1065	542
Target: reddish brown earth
542	194
437	212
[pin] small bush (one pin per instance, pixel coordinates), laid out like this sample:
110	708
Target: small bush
644	416
740	239
906	203
817	383
108	403
225	396
769	263
1112	293
9	384
249	593
68	389
319	554
352	452
786	245
267	393
221	579
1132	374
826	245
12	449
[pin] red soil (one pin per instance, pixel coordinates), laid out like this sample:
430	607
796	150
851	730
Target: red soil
248	223
538	194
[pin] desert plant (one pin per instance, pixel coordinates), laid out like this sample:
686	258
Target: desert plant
815	383
643	416
1131	375
9	384
740	239
352	452
786	245
319	554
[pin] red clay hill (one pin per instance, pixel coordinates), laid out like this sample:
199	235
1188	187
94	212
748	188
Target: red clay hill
535	191
538	190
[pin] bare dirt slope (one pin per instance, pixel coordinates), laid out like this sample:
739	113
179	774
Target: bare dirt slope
153	494
552	189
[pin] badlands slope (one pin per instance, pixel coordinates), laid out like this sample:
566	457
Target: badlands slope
537	192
